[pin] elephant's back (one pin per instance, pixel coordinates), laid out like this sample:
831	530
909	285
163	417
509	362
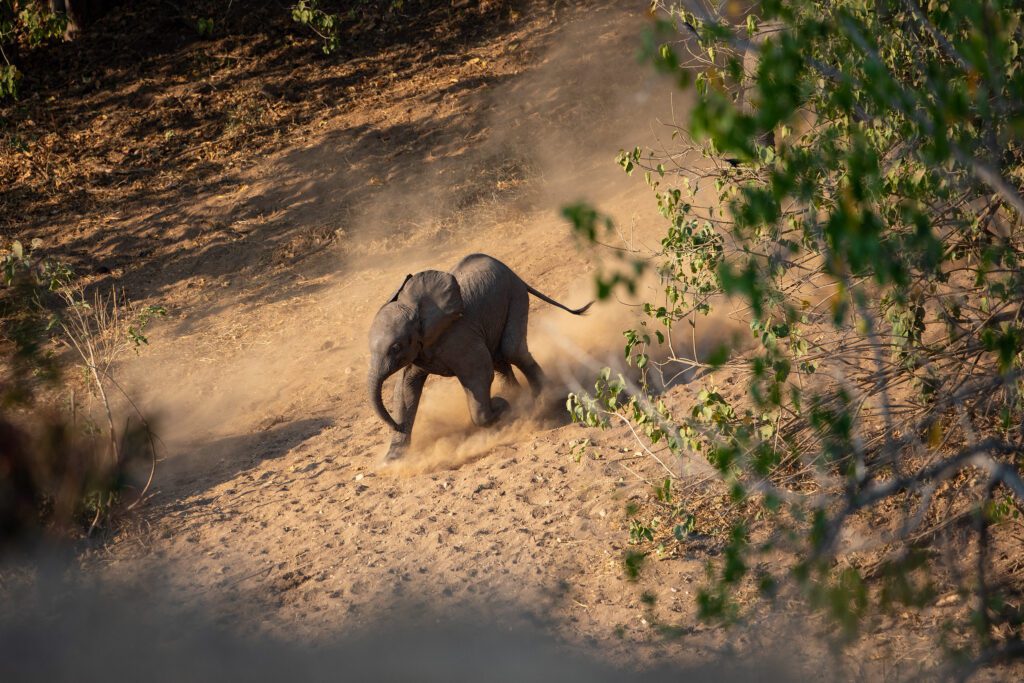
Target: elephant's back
480	262
483	279
488	290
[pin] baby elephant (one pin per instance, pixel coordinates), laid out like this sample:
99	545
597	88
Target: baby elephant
469	323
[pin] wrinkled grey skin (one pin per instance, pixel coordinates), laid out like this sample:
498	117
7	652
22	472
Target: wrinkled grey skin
489	337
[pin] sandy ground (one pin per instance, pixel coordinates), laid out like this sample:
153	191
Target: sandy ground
273	511
273	497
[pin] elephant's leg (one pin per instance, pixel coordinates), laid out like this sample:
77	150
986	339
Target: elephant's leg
476	373
508	377
534	375
513	342
408	390
484	409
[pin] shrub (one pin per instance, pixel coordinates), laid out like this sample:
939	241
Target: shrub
62	469
852	172
328	25
23	24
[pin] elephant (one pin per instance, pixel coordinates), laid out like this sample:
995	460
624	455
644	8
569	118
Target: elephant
468	323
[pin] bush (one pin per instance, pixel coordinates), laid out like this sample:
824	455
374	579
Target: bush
864	165
23	24
328	25
65	469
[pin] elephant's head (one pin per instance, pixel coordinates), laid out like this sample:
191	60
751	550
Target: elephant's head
413	319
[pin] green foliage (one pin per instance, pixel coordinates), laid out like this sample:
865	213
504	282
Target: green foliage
9	78
864	162
25	320
640	532
143	317
324	24
578	448
205	26
329	24
72	469
23	24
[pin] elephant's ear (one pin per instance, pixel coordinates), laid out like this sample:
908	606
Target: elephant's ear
394	297
437	298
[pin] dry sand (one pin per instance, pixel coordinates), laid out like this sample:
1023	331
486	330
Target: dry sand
273	512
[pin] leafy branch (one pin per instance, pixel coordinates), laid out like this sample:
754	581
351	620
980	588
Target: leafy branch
823	179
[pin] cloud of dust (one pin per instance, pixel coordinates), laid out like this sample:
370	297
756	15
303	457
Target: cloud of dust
553	133
572	350
444	436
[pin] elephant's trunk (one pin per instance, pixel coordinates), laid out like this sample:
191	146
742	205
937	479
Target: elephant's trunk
376	387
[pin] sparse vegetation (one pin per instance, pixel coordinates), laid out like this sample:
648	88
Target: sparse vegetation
99	330
842	179
24	24
57	473
852	172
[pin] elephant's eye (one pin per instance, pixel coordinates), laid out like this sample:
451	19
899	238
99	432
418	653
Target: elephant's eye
396	347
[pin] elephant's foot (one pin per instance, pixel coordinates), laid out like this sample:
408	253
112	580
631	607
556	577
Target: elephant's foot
499	407
485	411
396	450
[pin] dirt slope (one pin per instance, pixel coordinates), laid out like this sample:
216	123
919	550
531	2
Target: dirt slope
272	509
273	498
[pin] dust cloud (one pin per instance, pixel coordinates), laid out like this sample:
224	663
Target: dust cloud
572	350
444	436
490	178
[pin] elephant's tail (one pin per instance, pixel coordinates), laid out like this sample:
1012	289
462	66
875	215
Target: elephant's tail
544	297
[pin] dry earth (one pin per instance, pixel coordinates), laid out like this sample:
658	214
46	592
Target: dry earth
273	510
273	496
